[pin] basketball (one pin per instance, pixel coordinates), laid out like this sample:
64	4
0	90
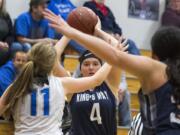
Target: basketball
83	19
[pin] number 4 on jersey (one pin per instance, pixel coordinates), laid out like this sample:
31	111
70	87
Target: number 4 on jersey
95	113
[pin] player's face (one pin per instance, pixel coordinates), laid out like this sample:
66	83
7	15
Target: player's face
90	66
19	60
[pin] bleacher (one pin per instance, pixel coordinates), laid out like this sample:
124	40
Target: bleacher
6	128
70	63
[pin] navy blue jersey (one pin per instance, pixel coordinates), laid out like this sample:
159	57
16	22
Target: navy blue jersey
159	112
94	112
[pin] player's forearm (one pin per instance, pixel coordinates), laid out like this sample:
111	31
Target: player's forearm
58	70
61	45
97	46
102	74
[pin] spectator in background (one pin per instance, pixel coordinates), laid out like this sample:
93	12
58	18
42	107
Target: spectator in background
9	71
108	22
6	33
171	15
31	27
63	8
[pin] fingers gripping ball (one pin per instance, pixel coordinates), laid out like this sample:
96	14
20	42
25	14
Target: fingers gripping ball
83	19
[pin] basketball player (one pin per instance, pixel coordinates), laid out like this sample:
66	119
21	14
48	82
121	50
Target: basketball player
97	106
160	84
36	98
94	111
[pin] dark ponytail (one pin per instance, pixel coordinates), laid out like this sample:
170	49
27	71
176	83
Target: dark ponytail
173	73
165	45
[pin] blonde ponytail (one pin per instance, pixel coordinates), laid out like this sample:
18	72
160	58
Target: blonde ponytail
20	87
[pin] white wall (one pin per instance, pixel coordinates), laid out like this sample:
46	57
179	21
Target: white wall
16	7
139	30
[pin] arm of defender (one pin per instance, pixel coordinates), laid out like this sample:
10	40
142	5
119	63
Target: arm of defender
75	85
58	69
137	65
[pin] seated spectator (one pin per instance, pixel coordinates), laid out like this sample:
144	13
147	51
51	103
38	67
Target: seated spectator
63	8
6	33
108	22
31	27
9	71
171	15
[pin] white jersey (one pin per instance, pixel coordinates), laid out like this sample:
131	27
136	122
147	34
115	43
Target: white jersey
40	112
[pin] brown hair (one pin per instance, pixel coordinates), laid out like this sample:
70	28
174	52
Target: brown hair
41	60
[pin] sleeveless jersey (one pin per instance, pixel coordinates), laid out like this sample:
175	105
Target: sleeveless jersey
94	112
40	112
158	112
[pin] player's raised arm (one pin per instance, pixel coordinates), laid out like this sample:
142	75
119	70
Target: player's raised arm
136	65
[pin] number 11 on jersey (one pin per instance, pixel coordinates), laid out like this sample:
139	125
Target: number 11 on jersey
44	94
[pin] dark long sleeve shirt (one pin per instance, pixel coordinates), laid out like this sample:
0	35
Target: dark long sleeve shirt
171	18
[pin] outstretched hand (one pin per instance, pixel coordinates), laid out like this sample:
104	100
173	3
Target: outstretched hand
58	23
122	44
